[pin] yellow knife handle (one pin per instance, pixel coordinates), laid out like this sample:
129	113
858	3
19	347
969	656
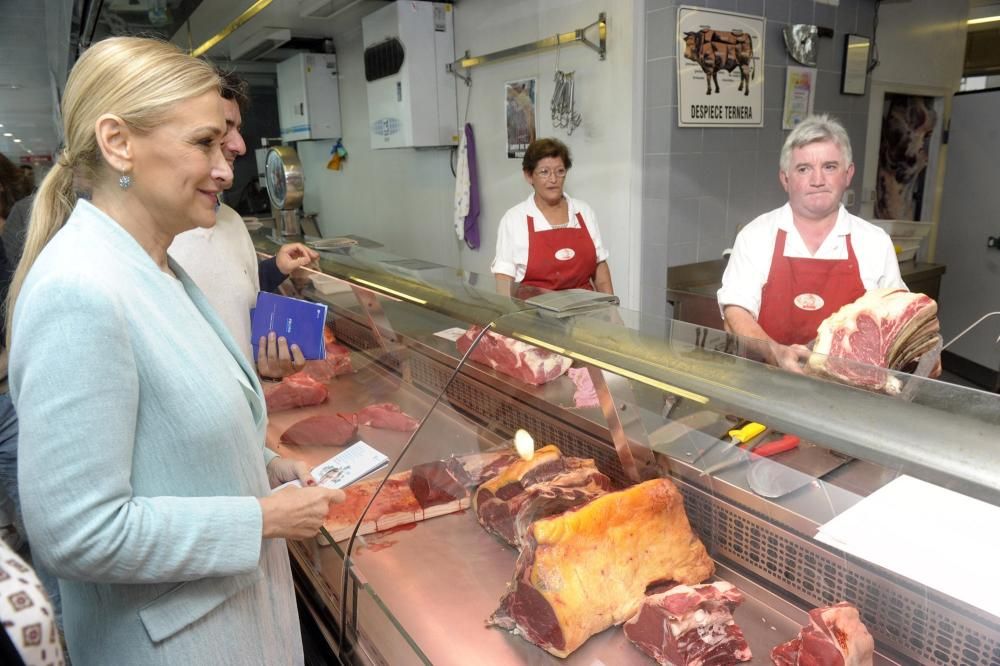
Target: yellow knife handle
747	432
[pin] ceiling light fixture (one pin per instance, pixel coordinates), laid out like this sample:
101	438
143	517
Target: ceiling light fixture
17	141
250	12
985	19
7	134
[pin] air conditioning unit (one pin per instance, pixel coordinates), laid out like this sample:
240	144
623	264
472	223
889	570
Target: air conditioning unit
260	44
308	97
324	9
412	98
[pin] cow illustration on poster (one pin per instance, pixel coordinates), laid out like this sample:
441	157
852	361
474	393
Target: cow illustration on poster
720	62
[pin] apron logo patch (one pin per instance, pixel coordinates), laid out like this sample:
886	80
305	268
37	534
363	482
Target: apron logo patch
565	254
809	302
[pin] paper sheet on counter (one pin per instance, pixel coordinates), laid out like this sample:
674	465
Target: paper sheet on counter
929	534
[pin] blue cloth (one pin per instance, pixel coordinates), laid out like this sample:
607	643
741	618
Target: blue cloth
270	277
472	219
142	434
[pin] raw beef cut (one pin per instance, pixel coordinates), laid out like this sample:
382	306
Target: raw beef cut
298	390
442	481
690	625
321	430
547	484
585	394
514	358
387	416
336	363
835	637
885	328
587	569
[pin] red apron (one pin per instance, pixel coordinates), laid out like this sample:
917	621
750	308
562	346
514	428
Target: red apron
801	292
560	258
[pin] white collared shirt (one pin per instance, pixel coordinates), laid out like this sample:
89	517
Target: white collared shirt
750	263
512	236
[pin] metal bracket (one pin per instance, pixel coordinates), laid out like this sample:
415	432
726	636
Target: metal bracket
383	330
555	41
637	461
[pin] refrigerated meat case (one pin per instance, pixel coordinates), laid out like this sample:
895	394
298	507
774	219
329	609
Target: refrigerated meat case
421	592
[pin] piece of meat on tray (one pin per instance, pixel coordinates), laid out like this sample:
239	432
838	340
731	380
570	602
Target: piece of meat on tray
387	416
298	390
321	430
336	363
690	624
514	358
588	569
835	637
527	490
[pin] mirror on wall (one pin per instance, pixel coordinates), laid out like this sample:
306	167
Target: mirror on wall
857	49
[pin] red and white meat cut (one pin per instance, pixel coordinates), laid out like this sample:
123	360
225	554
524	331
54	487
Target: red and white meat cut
885	328
690	625
298	390
514	358
835	637
336	363
321	430
387	416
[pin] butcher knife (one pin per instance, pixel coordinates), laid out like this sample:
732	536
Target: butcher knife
766	450
785	473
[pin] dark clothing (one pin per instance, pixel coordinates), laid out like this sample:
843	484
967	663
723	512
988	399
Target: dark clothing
15	230
268	274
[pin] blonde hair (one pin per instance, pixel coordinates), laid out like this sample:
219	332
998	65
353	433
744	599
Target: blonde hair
138	80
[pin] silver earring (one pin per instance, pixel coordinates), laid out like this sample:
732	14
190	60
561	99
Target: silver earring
125	181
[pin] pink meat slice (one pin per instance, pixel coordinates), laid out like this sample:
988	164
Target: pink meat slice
585	394
514	358
321	430
835	637
387	416
336	363
298	390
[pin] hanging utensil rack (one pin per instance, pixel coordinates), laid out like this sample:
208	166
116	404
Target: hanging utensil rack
558	40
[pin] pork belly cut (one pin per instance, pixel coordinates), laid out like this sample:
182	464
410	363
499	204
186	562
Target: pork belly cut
321	430
514	358
298	390
527	490
588	569
835	637
690	625
885	328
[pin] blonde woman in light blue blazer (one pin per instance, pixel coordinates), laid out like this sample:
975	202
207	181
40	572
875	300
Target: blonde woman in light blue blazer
145	483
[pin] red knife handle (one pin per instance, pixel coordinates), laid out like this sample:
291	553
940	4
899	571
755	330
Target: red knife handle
786	443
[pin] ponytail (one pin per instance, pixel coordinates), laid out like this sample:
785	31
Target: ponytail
53	203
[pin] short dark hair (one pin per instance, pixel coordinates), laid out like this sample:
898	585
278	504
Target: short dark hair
539	149
234	88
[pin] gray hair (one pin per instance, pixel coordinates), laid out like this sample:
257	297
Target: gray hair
820	127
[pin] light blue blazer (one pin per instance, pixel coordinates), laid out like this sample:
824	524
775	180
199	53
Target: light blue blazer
141	456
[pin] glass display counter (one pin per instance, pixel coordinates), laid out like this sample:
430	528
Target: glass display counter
421	582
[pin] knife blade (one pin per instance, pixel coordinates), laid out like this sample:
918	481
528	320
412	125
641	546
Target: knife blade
776	478
765	450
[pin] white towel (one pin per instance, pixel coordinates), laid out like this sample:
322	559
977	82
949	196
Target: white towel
462	187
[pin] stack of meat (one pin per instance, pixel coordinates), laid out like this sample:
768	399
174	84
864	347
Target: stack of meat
834	637
514	358
885	328
690	624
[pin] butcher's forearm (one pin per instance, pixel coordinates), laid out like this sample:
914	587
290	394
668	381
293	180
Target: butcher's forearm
505	284
602	278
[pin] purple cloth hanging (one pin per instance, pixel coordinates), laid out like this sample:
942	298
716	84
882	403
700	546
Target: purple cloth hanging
472	219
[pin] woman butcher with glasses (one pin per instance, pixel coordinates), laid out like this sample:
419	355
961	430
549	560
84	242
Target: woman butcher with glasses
550	240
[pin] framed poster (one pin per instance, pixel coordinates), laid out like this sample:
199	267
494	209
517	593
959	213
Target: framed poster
720	68
520	115
800	90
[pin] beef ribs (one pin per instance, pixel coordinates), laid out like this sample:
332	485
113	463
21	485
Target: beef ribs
587	569
688	625
548	484
884	329
835	637
387	416
514	358
321	430
298	390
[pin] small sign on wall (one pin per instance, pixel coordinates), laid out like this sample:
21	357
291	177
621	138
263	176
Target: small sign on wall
800	90
720	69
520	114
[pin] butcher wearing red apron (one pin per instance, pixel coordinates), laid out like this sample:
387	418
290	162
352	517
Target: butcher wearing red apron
801	292
560	258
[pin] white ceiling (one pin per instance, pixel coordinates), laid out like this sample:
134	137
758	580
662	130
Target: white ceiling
26	90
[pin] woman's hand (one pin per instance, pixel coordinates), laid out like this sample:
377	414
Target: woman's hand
275	359
282	470
297	513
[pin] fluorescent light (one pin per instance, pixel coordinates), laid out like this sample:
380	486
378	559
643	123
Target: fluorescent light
985	19
17	141
7	134
1	124
250	12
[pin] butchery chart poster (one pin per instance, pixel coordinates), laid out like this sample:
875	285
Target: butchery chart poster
720	69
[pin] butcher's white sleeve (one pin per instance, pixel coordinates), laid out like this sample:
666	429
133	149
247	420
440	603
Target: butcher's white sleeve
590	217
891	277
741	281
503	261
76	386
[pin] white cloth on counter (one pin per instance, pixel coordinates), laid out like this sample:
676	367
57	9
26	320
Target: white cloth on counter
223	263
750	263
512	236
462	186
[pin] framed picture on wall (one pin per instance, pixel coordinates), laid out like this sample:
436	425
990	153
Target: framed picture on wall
520	114
800	90
720	67
856	53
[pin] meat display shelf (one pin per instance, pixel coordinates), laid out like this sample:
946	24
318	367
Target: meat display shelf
406	602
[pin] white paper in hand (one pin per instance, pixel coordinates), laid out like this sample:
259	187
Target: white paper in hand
343	469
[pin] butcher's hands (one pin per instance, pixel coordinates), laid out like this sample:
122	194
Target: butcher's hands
297	513
282	470
275	359
293	256
791	358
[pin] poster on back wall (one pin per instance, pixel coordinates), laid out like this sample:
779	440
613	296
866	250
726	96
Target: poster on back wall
720	69
520	113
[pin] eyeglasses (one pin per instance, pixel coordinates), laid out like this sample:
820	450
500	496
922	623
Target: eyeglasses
544	173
